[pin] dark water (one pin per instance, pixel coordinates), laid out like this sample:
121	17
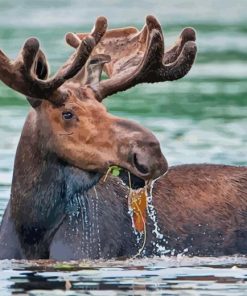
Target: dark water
201	118
167	276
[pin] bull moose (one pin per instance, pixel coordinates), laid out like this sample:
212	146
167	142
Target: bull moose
59	206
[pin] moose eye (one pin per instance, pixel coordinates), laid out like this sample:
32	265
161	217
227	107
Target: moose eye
67	115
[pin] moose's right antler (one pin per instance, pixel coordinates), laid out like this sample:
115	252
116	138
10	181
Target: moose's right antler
138	57
22	77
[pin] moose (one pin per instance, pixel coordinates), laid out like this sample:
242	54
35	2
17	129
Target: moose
59	206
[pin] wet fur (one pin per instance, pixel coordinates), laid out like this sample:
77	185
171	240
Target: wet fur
201	210
50	201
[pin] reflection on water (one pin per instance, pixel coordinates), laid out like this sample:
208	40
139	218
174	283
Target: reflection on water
201	118
157	276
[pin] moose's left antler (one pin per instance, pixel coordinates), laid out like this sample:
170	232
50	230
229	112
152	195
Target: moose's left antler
139	56
28	73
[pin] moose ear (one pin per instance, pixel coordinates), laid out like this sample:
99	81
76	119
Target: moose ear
90	74
41	70
94	67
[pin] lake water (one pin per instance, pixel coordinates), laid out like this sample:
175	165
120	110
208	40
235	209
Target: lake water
201	118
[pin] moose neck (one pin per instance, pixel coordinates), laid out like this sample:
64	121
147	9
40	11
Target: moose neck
43	185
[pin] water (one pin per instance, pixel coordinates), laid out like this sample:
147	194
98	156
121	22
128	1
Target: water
201	118
158	276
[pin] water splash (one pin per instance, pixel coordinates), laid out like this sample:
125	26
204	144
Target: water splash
160	240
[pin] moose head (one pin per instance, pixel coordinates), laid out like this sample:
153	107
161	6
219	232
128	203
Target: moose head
68	115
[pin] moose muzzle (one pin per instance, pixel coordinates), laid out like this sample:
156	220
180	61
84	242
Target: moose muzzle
139	151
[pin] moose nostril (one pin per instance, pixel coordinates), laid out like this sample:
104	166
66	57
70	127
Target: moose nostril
141	168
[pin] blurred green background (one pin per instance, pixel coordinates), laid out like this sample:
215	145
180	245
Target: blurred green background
200	118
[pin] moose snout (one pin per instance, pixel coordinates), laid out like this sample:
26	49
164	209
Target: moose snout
139	150
148	160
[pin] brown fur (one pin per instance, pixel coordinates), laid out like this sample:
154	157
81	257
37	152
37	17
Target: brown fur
94	139
203	208
57	160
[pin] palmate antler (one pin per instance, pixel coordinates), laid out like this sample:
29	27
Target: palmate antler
27	74
139	56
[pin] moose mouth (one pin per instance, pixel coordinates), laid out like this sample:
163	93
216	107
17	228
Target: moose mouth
131	180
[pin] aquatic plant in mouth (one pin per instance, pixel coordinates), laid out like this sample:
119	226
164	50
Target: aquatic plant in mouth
137	199
114	170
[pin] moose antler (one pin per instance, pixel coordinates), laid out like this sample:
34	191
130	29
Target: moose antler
139	56
22	76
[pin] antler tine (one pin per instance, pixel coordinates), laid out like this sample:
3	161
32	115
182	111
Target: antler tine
99	28
84	48
97	32
29	52
15	74
20	76
78	61
180	67
95	63
171	65
187	34
153	66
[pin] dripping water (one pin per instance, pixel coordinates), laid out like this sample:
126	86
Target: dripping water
97	232
160	240
92	225
85	224
73	211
